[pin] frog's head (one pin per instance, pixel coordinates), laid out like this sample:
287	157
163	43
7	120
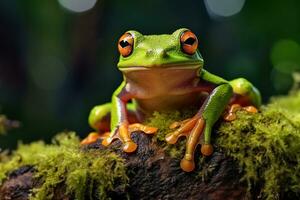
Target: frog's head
159	51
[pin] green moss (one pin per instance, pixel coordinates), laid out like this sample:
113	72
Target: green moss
267	145
163	121
84	172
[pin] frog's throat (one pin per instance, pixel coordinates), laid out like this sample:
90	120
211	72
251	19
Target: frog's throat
167	67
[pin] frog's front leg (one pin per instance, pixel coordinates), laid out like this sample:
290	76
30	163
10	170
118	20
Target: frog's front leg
99	120
120	127
201	123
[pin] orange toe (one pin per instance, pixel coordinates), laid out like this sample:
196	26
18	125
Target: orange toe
251	109
107	141
141	127
187	165
91	138
150	130
229	117
207	149
175	125
172	138
129	147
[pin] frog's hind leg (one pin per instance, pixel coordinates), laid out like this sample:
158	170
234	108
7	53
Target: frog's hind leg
245	97
100	119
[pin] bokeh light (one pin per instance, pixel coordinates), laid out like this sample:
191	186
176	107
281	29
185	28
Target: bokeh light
285	55
48	73
282	82
61	55
224	8
78	5
285	58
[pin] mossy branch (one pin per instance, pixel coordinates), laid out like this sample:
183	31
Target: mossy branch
64	162
266	147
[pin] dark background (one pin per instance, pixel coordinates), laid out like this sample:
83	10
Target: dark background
56	64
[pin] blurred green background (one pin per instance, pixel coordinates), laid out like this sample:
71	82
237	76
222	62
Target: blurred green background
58	58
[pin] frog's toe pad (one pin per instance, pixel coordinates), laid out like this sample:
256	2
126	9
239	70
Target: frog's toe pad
229	117
187	165
175	125
171	139
251	109
107	141
129	147
207	149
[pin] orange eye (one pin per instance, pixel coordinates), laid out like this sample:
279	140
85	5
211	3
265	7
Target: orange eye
189	42
125	44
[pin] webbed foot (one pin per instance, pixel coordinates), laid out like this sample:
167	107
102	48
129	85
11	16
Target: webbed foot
123	133
191	128
230	114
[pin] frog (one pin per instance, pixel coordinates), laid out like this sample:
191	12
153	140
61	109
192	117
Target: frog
163	73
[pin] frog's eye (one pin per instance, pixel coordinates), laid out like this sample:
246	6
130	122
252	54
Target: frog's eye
125	44
189	42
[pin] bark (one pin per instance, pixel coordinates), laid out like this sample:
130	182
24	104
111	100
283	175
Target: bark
153	174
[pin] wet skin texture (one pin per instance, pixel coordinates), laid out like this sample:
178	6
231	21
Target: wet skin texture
161	73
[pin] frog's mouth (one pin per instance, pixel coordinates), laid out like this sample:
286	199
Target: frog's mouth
162	67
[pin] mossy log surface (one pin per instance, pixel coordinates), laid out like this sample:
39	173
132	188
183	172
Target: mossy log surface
152	175
256	156
20	182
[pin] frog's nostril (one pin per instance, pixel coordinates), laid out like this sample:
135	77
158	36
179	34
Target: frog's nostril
162	53
149	52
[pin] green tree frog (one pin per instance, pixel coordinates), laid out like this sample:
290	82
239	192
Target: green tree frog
165	72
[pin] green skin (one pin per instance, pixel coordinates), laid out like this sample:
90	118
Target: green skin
159	76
